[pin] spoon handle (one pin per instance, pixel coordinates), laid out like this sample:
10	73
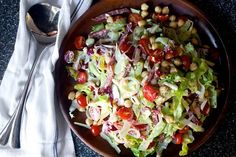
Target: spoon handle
11	132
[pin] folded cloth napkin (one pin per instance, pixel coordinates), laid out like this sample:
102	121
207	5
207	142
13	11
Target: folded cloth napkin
43	131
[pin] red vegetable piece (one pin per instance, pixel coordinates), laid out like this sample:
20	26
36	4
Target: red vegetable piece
143	43
135	18
81	100
79	42
184	130
141	127
150	93
178	138
162	18
186	61
125	113
206	109
95	129
156	55
82	77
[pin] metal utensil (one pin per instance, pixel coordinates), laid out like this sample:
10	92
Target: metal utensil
41	20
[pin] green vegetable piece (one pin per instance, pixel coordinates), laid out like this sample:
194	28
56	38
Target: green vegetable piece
72	72
98	27
114	36
90	41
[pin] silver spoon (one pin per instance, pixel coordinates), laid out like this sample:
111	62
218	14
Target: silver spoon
41	20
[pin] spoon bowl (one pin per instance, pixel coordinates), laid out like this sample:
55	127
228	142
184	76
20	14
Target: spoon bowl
41	20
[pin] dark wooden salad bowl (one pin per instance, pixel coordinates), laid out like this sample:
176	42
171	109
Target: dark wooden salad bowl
208	34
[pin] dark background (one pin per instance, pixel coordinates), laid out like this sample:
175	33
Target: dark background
222	13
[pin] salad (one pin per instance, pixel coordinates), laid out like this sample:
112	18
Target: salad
143	79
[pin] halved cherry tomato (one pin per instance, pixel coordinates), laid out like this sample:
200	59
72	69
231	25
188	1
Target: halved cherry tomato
143	43
186	61
81	100
82	77
178	138
150	93
79	42
135	18
125	113
184	130
95	129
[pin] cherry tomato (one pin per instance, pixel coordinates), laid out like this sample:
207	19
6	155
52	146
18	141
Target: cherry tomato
150	93
79	42
95	129
186	61
135	18
178	138
184	130
162	18
143	43
125	113
82	77
81	100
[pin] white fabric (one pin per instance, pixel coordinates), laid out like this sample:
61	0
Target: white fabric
44	131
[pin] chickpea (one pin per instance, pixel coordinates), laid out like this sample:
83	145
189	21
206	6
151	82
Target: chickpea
165	10
172	18
141	23
193	66
180	22
164	64
89	121
173	70
71	96
128	103
144	6
158	9
144	13
177	62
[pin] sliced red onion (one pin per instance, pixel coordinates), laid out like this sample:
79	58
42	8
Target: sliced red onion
99	34
90	51
69	57
95	113
155	118
134	132
127	70
129	27
103	17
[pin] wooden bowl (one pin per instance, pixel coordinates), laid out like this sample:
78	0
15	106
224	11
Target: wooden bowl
83	26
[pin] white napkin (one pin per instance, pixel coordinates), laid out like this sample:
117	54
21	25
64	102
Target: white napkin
44	131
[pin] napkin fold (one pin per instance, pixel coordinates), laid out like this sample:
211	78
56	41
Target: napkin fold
43	132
